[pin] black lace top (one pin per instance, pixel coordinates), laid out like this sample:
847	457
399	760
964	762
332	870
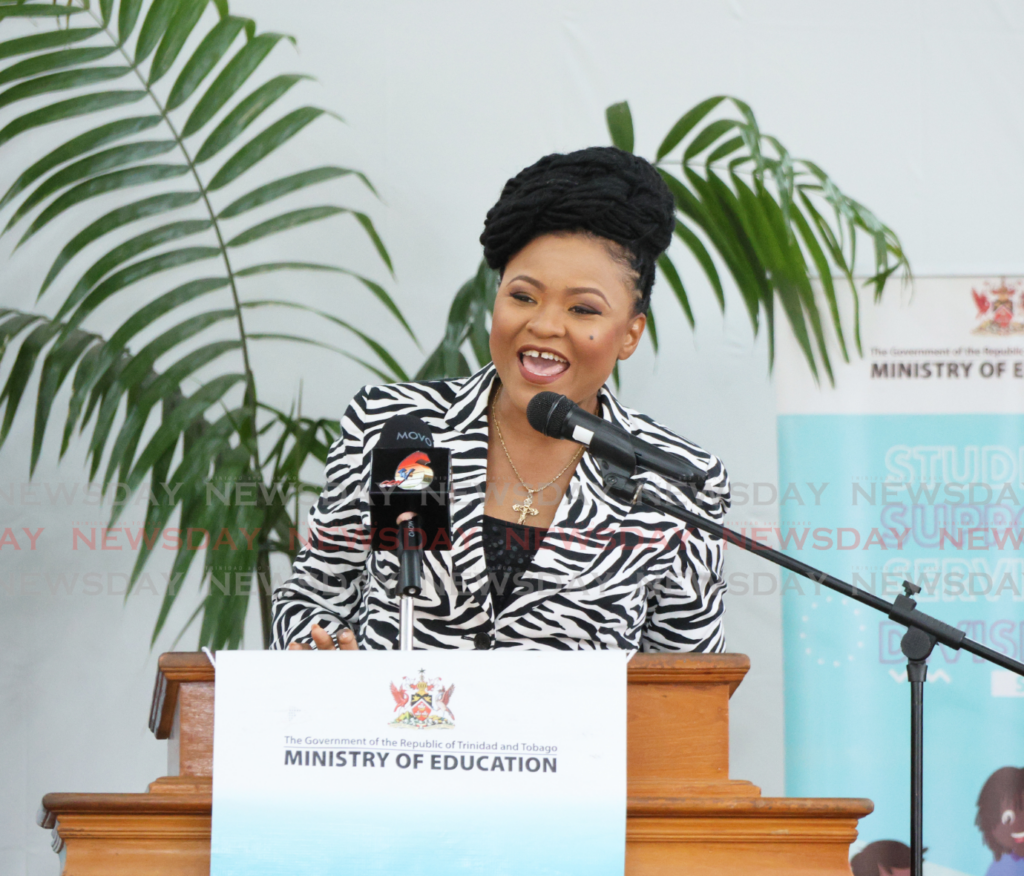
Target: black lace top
509	549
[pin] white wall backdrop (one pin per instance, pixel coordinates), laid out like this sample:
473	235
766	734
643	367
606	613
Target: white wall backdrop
913	107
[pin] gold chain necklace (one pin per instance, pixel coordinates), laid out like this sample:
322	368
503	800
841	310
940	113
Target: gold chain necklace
526	508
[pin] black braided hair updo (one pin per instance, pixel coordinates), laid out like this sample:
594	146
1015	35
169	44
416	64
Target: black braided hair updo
601	191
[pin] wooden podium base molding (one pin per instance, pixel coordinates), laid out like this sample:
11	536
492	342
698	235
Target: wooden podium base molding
683	815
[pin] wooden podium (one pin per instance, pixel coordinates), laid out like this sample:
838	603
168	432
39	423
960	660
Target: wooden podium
684	814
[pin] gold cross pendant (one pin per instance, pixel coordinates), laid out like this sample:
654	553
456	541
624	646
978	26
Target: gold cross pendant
526	508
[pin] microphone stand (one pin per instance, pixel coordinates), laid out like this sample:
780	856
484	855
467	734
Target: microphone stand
923	630
410	579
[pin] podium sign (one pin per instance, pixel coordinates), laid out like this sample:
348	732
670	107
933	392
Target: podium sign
420	763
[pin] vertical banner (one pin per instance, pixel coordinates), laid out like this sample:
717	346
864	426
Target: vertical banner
916	457
420	763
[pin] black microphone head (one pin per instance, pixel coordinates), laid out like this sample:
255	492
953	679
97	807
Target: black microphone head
547	413
403	431
409	474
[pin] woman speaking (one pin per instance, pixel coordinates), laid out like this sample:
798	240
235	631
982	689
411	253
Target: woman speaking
542	556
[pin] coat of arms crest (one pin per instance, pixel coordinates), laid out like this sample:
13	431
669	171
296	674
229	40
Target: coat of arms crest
422	703
996	315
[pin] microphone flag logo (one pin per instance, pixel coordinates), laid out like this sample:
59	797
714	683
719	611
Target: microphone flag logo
423	703
413	472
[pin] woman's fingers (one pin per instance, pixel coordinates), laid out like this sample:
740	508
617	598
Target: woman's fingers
321	638
346	640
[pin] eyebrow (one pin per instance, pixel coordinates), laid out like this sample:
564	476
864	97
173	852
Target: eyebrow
575	289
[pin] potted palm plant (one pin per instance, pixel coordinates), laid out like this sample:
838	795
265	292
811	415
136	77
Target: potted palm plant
164	106
170	396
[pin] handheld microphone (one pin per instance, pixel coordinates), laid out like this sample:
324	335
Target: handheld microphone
412	479
556	416
409	474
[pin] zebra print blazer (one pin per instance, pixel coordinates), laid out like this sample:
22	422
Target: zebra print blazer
607	575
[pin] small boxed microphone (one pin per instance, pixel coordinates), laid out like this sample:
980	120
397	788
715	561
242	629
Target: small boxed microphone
411	479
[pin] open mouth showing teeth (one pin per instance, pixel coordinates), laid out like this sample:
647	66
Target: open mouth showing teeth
1018	837
543	363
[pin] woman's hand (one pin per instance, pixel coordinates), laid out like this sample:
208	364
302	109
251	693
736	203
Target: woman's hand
344	641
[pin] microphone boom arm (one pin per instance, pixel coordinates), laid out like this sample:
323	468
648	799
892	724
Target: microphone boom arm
923	630
903	611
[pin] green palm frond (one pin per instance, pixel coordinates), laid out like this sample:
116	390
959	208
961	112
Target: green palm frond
467	323
176	117
776	223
